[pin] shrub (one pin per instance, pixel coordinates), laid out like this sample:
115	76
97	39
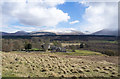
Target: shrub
109	52
81	45
28	46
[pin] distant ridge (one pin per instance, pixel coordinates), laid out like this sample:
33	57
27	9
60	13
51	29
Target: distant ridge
42	33
23	33
3	33
73	32
106	32
16	33
68	32
20	33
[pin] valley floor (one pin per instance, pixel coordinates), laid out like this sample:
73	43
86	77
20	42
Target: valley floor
58	65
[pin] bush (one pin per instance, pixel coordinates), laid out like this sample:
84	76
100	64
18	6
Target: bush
110	53
28	46
81	45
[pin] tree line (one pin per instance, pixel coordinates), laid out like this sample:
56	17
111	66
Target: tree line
38	43
27	44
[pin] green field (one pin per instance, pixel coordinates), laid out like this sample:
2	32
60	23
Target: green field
99	41
76	53
66	44
80	53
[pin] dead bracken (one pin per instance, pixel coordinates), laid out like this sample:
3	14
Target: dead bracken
54	66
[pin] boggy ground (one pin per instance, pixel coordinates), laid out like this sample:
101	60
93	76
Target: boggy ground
48	64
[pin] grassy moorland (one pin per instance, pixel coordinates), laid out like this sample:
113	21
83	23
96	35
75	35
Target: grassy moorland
72	64
60	56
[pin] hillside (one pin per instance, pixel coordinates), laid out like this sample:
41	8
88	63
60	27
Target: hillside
106	32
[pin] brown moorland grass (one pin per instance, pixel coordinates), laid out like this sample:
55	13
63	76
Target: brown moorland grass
57	65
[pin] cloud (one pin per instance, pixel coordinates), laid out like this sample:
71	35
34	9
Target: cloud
19	28
100	16
39	13
42	17
74	22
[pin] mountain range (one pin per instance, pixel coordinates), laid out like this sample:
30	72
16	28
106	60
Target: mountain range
70	32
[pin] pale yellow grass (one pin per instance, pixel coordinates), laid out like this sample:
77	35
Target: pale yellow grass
46	65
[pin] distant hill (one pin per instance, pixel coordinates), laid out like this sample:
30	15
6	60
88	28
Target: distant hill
16	33
3	33
106	32
68	32
72	32
42	33
63	32
20	33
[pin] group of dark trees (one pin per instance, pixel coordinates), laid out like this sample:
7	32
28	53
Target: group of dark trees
21	44
107	48
43	42
34	44
79	46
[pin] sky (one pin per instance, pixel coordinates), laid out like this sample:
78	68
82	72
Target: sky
57	16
